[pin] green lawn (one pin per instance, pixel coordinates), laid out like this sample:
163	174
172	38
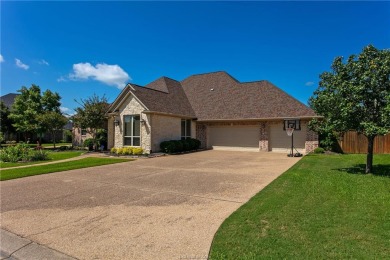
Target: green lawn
57	167
323	207
54	156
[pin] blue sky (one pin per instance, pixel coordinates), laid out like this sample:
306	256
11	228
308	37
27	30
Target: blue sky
81	48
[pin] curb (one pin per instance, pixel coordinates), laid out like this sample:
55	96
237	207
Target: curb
13	247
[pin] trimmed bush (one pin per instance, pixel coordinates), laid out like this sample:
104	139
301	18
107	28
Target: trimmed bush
39	155
88	143
319	150
127	150
177	146
137	150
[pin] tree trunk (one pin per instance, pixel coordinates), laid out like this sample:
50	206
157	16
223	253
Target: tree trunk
53	134
370	154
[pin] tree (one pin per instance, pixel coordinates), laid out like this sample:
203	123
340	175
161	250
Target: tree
28	105
25	109
355	95
91	115
52	121
5	121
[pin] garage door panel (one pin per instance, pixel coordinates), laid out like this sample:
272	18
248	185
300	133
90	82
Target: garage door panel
234	136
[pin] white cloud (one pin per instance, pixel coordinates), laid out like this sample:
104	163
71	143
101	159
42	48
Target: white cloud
67	111
61	79
21	64
309	83
43	62
1	58
112	75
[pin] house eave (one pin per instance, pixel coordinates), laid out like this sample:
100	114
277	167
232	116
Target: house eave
169	114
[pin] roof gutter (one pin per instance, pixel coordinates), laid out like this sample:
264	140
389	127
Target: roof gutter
259	119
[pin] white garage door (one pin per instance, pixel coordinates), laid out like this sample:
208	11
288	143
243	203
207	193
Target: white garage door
234	137
281	142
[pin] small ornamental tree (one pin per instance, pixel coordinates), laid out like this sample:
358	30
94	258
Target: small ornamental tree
355	95
53	122
91	115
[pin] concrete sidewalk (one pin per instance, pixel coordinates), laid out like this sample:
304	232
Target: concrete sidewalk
85	155
16	247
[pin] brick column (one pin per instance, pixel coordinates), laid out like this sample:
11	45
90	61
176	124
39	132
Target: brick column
263	142
201	134
311	142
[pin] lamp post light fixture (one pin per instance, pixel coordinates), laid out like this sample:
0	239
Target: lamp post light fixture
116	122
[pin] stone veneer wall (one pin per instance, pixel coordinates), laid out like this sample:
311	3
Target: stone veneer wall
164	128
133	107
110	133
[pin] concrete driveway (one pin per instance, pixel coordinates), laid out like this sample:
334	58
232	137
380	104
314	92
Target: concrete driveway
162	208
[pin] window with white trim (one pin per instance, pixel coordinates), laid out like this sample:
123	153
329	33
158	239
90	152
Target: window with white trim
185	129
131	130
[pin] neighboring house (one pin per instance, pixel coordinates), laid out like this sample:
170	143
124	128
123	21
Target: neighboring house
9	99
79	136
215	108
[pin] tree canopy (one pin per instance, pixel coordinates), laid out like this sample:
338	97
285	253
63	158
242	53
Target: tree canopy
29	105
355	95
90	115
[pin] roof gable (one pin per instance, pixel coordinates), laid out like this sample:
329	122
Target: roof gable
9	99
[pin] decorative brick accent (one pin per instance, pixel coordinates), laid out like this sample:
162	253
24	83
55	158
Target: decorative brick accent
263	142
311	141
201	134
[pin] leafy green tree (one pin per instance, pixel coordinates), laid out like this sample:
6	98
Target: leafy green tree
28	105
355	95
91	115
5	120
52	121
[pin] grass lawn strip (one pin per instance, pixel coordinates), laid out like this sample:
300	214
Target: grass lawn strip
58	167
54	156
322	207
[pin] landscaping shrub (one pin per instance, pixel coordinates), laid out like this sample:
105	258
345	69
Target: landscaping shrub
177	146
137	150
88	143
167	147
15	153
63	148
319	150
127	150
39	155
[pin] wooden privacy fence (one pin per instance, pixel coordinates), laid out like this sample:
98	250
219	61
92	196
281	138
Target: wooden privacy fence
352	142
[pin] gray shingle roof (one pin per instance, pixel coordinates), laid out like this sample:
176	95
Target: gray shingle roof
218	96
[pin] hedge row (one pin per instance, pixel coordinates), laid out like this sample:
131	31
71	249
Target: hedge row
127	150
177	146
